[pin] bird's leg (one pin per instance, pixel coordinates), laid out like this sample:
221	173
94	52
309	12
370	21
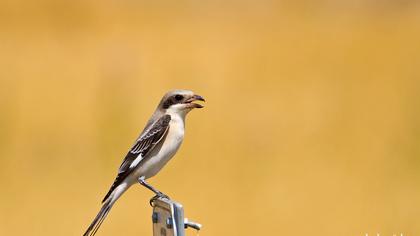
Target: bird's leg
158	193
143	182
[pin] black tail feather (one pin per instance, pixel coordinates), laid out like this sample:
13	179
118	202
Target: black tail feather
94	226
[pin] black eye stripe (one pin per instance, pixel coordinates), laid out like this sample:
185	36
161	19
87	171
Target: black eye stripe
172	100
167	104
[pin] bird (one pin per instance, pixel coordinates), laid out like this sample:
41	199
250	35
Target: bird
155	146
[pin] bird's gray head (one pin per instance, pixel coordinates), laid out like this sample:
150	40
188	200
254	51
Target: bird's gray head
180	102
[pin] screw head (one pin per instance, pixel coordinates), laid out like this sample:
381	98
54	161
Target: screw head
169	223
155	217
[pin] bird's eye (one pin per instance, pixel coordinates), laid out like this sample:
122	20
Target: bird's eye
178	97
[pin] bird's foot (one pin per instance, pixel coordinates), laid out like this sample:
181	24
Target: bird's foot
157	196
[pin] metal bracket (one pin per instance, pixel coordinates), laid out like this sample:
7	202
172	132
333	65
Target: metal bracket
168	218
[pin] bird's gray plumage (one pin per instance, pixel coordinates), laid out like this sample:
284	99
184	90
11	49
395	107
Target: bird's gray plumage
157	143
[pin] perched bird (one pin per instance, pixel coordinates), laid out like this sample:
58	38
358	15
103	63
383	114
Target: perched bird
155	146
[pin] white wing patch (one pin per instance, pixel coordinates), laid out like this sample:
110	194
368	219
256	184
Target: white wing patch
136	161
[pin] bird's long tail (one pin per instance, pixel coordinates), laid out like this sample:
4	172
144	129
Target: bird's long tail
106	207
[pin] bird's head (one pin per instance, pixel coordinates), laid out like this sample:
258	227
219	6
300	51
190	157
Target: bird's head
180	102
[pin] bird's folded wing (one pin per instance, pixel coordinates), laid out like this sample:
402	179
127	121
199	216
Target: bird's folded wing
146	142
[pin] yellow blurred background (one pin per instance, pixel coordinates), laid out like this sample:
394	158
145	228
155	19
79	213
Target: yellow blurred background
311	125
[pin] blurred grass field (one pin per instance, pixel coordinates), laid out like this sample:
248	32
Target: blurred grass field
311	125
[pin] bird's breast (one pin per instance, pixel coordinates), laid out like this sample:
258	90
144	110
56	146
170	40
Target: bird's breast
174	137
161	155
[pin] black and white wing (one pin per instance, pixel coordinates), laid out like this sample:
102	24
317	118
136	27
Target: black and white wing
146	142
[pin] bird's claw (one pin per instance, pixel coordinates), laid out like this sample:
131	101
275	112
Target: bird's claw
157	196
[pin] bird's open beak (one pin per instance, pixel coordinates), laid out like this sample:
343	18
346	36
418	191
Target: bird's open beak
193	99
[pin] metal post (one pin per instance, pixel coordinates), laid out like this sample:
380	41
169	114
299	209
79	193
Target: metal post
168	218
